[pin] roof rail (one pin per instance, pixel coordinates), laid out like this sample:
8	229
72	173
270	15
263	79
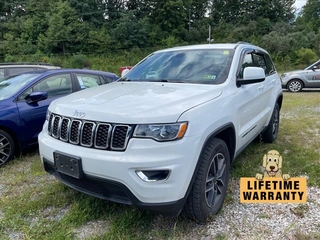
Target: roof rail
242	42
26	63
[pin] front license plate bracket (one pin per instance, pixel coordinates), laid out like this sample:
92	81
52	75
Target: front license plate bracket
68	164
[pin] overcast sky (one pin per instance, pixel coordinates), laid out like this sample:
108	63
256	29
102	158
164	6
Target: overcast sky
300	3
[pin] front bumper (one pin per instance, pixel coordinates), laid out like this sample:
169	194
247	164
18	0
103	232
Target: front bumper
283	83
113	175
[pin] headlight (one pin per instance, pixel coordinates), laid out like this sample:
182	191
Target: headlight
48	115
283	75
161	132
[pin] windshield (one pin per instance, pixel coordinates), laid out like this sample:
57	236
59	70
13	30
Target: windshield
12	84
208	66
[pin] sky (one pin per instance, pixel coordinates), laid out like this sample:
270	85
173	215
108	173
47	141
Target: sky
300	3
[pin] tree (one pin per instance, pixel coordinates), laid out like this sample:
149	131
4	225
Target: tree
66	32
170	15
90	11
130	31
244	11
310	16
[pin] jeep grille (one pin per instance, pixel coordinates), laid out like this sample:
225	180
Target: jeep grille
91	134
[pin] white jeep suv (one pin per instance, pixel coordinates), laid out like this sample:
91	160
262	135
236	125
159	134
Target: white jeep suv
164	135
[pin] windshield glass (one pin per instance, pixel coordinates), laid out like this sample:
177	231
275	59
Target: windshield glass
208	66
12	84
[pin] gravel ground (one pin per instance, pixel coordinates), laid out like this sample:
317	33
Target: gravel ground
267	221
247	221
235	221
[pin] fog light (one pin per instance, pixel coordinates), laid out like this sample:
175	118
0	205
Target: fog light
153	175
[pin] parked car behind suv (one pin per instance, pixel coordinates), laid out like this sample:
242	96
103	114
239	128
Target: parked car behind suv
163	136
25	97
7	69
309	77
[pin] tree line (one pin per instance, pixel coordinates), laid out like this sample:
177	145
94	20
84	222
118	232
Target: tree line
51	27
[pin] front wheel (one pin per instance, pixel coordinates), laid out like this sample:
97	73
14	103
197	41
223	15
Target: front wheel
211	181
6	147
271	133
295	85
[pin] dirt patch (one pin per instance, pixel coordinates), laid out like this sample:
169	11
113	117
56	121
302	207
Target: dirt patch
91	229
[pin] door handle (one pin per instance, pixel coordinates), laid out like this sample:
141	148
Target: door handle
261	87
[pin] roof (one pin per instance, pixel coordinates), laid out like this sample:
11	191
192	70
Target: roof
67	70
27	65
208	46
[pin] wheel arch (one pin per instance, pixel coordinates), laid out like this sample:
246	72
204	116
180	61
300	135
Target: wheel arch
228	135
14	137
280	100
295	79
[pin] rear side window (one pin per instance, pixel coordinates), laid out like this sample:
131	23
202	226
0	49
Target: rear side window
88	80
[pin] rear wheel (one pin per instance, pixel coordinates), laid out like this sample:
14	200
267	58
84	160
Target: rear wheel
211	182
295	85
6	147
271	133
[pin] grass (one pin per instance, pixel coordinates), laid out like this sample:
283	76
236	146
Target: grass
33	205
298	140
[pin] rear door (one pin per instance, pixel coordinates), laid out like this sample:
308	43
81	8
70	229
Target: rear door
313	77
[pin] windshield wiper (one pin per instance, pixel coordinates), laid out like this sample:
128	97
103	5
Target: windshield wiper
170	80
124	79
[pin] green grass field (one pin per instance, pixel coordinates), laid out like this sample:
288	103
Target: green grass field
33	205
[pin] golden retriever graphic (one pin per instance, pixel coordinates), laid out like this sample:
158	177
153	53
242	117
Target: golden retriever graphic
272	162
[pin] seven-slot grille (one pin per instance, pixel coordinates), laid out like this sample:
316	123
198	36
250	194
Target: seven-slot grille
89	133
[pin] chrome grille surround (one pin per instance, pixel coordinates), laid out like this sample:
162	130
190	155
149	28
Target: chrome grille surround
91	134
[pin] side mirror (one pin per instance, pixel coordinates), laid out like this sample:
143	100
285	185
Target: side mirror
36	97
252	75
314	68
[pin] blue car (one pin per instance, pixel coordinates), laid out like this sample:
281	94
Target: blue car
24	99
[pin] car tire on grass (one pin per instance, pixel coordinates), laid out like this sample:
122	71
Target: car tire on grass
271	133
211	182
295	85
6	147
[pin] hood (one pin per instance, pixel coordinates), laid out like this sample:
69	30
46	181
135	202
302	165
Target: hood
131	103
296	72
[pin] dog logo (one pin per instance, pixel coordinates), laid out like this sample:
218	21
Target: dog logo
272	163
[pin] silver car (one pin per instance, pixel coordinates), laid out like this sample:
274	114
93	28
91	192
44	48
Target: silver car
7	69
309	77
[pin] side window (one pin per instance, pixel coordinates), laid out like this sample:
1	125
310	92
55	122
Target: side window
247	62
55	85
260	62
88	81
16	70
106	79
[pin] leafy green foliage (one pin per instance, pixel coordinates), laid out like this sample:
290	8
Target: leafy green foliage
53	29
306	55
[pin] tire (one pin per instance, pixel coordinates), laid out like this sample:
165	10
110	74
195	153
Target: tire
271	133
295	85
7	147
210	186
